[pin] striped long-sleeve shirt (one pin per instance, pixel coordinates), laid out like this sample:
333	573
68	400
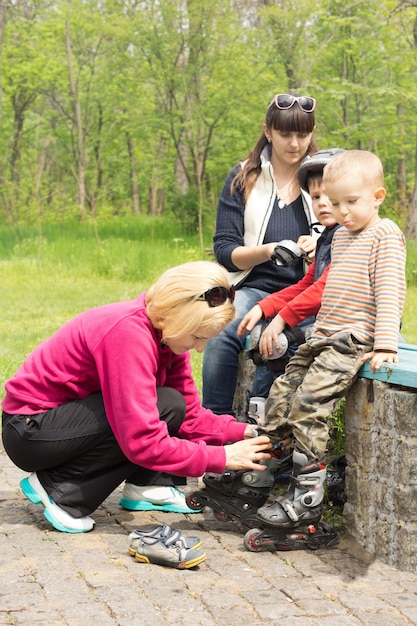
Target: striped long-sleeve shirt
365	287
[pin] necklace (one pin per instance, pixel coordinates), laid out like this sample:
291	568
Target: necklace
284	194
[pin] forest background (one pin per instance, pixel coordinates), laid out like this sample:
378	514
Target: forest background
143	106
120	120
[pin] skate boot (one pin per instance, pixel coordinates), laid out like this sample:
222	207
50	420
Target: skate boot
256	410
302	504
234	495
293	521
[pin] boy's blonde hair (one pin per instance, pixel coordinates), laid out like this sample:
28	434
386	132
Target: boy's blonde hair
360	162
173	306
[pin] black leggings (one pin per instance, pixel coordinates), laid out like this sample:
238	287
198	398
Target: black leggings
75	453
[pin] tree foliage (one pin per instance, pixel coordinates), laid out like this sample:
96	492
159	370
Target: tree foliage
143	106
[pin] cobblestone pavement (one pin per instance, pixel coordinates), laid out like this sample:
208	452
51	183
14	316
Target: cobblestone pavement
48	578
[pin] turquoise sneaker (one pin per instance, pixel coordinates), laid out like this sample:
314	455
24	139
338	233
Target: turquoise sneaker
60	519
154	498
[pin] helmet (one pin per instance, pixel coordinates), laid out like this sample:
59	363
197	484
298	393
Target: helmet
285	252
277	361
315	163
254	338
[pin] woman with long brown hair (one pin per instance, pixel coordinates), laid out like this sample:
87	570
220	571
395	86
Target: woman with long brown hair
260	205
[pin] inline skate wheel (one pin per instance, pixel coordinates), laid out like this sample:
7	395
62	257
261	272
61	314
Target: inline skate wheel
251	540
221	516
194	502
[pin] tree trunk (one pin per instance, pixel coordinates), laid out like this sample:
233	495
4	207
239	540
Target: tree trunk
411	228
133	175
94	193
401	185
80	153
401	194
38	181
153	195
3	11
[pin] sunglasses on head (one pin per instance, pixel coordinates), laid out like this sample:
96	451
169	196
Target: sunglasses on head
286	101
215	296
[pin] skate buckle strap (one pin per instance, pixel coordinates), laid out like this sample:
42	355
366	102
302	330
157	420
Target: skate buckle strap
290	510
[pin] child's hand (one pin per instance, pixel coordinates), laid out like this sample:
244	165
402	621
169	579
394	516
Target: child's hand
378	358
269	337
307	243
250	320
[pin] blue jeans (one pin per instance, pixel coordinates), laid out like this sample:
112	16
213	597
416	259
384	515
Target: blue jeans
221	360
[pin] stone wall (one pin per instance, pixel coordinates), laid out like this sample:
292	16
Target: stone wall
243	387
381	474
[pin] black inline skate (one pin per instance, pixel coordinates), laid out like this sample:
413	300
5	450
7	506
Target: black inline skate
237	495
292	522
234	496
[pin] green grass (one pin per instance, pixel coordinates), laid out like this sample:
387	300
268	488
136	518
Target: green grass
49	277
409	328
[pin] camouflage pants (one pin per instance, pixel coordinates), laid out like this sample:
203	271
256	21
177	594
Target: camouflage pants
301	400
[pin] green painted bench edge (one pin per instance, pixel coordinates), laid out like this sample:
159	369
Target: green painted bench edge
403	373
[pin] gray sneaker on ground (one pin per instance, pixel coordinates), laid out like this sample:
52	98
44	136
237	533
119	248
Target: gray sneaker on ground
169	551
165	532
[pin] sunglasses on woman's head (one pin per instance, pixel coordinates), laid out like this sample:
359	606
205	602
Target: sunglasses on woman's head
286	101
215	296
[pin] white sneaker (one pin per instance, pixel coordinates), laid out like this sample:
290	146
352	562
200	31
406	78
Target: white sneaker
60	519
154	498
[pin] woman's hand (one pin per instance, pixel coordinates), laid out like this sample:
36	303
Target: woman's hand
250	320
246	257
248	453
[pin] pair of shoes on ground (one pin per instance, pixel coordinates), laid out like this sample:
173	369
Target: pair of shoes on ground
60	519
154	498
162	545
148	498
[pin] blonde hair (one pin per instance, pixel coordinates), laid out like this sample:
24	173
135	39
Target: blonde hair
173	306
361	162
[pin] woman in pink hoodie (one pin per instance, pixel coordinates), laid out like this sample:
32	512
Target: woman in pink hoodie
111	396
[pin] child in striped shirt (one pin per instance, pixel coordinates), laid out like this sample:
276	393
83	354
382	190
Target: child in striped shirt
359	320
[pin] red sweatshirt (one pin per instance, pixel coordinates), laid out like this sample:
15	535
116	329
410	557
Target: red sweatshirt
297	302
115	349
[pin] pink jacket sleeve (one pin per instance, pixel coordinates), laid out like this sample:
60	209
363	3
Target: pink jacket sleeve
130	373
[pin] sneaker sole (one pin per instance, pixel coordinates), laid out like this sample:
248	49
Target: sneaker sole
60	527
140	558
34	497
142	505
